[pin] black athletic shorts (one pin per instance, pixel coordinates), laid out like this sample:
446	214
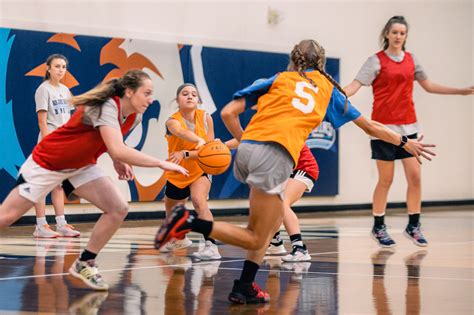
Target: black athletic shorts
176	193
385	151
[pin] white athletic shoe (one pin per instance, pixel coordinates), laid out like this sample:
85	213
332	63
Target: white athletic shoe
208	252
299	253
67	230
175	245
45	232
276	250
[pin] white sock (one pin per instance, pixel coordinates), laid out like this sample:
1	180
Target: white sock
61	220
41	221
297	243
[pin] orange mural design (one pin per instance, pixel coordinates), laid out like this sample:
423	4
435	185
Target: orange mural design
112	53
149	193
67	39
69	80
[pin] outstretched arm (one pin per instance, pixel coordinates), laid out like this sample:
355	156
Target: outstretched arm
230	116
352	88
436	88
378	130
119	152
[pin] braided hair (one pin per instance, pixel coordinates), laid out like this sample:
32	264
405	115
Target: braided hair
309	54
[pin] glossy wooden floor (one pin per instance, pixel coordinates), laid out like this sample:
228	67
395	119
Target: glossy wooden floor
348	274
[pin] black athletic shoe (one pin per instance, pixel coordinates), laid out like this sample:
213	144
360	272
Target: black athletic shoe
413	232
381	236
248	293
176	226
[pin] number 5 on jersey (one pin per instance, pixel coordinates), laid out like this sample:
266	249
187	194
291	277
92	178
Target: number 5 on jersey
299	90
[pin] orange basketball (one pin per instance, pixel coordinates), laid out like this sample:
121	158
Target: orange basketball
214	157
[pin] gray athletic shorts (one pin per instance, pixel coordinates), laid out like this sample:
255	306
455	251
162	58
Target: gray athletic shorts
265	165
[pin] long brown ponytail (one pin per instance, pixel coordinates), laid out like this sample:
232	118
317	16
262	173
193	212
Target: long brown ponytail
114	87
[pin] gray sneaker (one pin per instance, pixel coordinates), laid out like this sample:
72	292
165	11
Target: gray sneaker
88	272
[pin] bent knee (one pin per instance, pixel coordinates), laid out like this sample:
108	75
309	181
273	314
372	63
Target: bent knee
119	211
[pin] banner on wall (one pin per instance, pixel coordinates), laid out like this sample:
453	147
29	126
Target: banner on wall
217	73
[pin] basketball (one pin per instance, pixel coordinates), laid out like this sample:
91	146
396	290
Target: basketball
214	157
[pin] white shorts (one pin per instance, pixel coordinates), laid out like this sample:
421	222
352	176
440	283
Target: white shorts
35	182
303	177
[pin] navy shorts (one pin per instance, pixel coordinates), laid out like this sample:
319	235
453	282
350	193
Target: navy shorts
385	151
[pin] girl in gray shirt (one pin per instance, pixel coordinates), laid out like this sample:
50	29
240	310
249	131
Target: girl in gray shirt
53	110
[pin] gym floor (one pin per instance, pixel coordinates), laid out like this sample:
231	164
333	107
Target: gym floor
348	274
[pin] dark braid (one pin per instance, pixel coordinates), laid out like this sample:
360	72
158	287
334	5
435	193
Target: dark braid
334	82
300	64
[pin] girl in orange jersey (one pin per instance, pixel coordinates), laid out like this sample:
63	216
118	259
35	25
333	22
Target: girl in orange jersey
391	73
186	130
69	155
289	106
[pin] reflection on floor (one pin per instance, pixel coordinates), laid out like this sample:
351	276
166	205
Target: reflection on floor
348	272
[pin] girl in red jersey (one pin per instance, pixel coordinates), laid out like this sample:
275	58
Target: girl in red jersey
391	73
298	99
69	155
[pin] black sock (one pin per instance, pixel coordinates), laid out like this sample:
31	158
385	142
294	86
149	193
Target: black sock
210	239
87	255
201	226
296	240
378	221
414	219
249	272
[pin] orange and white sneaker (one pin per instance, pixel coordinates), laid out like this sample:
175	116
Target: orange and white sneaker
67	230
45	231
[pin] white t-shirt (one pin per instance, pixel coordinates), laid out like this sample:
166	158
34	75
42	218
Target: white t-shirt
54	100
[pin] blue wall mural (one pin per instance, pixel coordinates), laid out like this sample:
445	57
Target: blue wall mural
217	72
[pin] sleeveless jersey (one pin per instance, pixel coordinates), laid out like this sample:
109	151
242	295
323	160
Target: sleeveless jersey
176	144
75	144
289	107
393	91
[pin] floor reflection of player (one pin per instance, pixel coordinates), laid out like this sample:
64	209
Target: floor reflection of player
285	295
202	285
379	293
47	291
412	294
412	262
